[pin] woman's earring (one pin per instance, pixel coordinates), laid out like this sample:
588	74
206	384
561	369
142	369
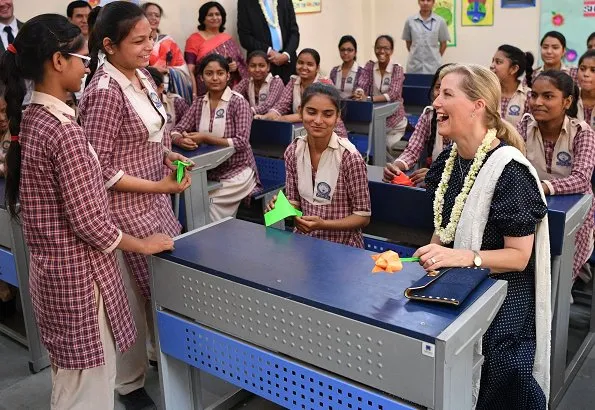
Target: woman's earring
473	114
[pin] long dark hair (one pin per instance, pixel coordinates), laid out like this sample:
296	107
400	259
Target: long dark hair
524	60
434	121
114	21
566	84
37	41
204	10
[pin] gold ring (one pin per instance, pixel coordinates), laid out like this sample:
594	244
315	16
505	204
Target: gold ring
433	261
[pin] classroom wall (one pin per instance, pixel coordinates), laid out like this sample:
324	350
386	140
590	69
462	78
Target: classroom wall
364	19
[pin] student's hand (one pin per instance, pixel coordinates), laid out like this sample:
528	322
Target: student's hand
233	67
418	176
271	204
197	137
169	184
307	224
546	189
359	95
156	243
185	143
271	115
390	171
174	156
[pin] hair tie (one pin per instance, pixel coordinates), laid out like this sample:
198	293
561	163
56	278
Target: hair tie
14	138
11	48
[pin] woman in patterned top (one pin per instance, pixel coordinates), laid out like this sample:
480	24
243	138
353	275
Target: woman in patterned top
569	147
76	287
348	76
385	84
425	141
586	82
553	49
221	117
509	64
287	107
125	122
260	88
326	176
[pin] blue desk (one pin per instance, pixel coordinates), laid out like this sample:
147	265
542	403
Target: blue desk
416	89
14	269
196	197
405	214
370	119
270	138
264	308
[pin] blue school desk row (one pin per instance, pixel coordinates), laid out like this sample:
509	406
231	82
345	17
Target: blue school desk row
14	269
302	322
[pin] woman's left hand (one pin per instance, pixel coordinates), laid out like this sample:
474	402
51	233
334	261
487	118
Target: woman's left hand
307	224
233	67
433	257
174	156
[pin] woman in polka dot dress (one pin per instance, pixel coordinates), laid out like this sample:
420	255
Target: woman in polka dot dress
512	206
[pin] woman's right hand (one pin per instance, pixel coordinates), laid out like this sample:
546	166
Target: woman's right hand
156	243
169	184
271	204
390	171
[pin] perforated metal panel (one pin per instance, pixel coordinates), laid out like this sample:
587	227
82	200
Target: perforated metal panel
281	380
350	348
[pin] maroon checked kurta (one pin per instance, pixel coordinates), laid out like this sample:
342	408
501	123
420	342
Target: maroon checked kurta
70	236
120	138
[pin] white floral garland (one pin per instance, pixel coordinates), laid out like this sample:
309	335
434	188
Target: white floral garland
274	23
447	235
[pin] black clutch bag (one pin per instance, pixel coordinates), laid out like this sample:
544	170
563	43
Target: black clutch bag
449	286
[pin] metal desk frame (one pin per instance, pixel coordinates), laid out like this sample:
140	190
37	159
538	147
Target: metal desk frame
11	237
249	337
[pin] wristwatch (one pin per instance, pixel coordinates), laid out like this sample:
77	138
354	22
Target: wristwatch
477	259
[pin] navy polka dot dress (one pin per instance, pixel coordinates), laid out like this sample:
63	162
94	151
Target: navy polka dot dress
509	343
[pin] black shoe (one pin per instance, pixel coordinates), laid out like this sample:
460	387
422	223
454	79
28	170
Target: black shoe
137	400
154	364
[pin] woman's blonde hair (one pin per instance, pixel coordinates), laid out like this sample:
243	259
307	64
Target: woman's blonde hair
478	83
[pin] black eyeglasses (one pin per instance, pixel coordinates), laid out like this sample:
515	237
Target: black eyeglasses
86	59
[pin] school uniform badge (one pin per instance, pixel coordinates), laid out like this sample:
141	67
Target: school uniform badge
263	96
564	159
155	100
323	190
219	113
386	81
514	110
349	80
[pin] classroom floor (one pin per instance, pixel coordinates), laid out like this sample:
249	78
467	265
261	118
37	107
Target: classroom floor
21	390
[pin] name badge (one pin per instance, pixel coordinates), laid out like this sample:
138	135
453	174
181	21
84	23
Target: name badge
323	190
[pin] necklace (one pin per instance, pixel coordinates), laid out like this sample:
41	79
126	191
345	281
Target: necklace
460	166
271	22
447	234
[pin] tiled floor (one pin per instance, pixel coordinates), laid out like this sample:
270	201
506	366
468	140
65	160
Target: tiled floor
20	390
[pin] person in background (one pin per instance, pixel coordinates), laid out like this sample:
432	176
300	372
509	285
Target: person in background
9	25
287	107
553	49
562	149
509	64
175	105
212	39
586	82
425	142
125	122
591	41
326	176
263	27
385	84
348	76
166	55
221	117
261	89
54	175
78	13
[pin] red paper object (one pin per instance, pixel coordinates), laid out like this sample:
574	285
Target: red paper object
402	179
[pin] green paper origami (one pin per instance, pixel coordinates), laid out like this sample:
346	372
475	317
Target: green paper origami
409	259
282	210
181	167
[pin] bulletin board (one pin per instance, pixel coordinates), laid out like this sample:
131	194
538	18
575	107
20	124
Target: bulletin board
573	18
447	10
307	6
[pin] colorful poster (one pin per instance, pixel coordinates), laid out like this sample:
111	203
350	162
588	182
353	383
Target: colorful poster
447	10
307	6
477	13
570	18
589	10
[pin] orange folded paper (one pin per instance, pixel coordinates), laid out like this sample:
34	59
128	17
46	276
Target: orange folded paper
402	179
388	261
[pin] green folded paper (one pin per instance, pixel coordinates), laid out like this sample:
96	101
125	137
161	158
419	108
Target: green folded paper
181	167
282	210
409	259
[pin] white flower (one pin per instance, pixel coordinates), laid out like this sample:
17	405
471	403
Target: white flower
447	234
